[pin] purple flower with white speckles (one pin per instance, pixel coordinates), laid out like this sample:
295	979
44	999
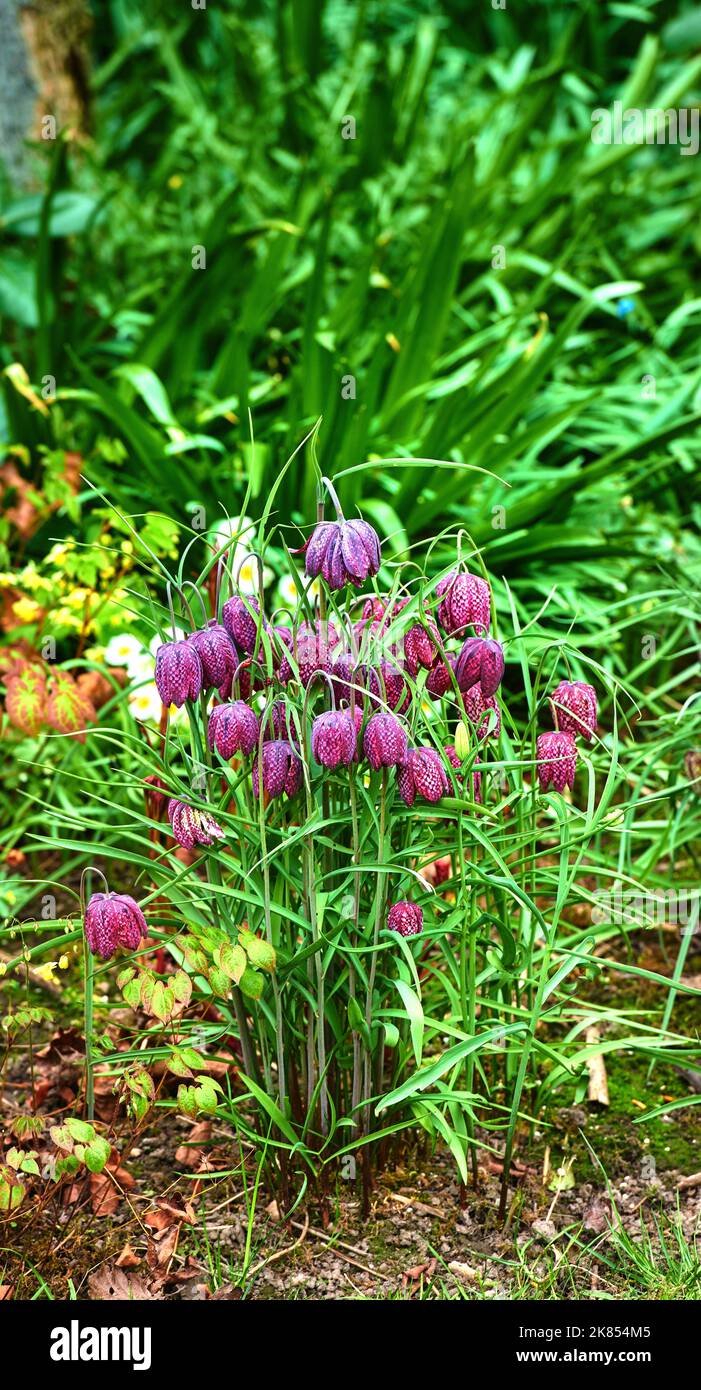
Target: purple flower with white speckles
574	708
406	918
384	741
217	653
113	920
233	728
422	774
281	769
465	602
178	675
481	660
556	755
191	827
242	624
483	713
334	739
342	552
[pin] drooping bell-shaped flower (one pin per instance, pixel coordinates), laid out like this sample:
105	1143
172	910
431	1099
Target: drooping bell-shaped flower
480	661
422	774
241	623
386	685
233	728
216	652
405	918
191	827
439	679
313	652
384	741
343	552
556	755
281	769
178	675
465	602
483	712
574	708
457	762
113	920
345	675
334	739
420	646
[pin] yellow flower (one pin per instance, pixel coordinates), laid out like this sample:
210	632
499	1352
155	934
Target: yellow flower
79	597
63	617
175	181
46	972
26	610
30	578
58	552
63	962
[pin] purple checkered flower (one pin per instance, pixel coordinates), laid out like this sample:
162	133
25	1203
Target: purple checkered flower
343	552
242	624
384	741
556	755
574	708
313	652
179	675
481	660
233	728
281	769
465	602
422	774
191	827
405	918
483	713
216	652
113	920
334	739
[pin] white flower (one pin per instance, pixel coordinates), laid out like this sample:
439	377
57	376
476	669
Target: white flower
127	650
244	570
292	586
145	703
237	528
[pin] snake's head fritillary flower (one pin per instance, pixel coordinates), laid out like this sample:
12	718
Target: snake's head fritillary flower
179	675
344	675
457	762
191	827
281	769
405	918
384	741
241	618
216	652
386	685
313	653
465	602
439	679
483	712
233	728
113	920
574	708
480	661
343	552
422	774
556	755
420	646
334	739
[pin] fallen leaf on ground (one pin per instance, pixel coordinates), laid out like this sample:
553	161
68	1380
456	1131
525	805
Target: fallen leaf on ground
111	1284
128	1258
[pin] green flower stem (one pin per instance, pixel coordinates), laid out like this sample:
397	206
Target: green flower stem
88	985
379	912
